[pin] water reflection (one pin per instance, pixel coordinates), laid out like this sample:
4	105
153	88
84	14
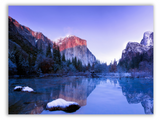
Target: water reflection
77	92
106	94
72	89
138	91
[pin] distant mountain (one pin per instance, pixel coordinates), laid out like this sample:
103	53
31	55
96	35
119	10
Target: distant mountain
139	55
73	46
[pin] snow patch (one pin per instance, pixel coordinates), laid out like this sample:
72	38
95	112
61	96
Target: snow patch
60	103
18	87
24	89
27	89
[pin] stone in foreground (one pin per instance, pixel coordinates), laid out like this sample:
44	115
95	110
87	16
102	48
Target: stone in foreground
27	89
18	88
61	104
24	89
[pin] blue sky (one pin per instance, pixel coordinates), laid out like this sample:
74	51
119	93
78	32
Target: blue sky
107	29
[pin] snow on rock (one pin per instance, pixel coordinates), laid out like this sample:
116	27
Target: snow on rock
24	89
27	89
61	104
147	39
18	88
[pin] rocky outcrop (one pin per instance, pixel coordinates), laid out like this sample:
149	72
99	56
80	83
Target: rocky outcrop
133	48
22	34
139	55
72	46
61	104
147	39
23	89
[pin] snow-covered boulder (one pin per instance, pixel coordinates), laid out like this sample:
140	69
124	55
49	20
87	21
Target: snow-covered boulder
61	104
27	89
24	89
18	88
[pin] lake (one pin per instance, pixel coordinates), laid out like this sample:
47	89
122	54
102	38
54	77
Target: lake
106	95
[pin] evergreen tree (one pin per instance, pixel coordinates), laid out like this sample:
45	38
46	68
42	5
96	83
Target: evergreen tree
41	50
114	66
54	52
79	64
48	52
75	60
63	57
89	66
58	55
30	62
68	62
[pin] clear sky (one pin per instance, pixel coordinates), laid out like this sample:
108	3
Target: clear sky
107	29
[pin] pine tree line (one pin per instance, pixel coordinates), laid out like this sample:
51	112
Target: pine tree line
53	62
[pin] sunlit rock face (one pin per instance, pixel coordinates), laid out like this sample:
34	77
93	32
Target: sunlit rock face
28	36
147	39
73	46
70	41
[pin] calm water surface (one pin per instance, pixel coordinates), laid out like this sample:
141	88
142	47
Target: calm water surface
94	95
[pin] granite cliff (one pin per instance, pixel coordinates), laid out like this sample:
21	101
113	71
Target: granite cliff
139	55
72	46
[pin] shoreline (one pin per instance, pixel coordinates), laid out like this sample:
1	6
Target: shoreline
88	75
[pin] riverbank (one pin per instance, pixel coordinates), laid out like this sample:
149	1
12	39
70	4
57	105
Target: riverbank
89	75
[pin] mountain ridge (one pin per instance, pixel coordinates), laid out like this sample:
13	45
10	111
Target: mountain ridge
139	56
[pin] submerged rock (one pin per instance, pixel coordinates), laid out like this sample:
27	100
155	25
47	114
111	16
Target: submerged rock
61	104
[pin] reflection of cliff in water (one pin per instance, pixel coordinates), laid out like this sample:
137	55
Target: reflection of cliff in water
73	89
138	91
78	91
